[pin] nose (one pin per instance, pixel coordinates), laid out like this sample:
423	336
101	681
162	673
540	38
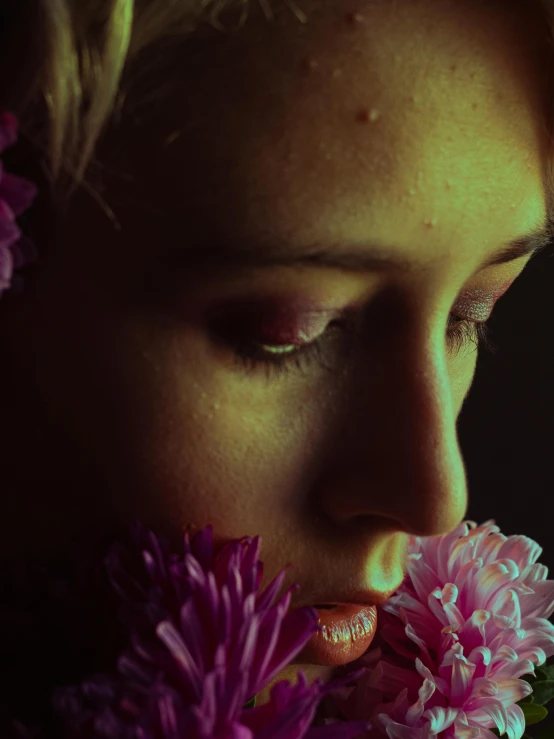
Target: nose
396	455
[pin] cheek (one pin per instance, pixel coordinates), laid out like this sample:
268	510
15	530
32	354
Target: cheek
462	373
203	444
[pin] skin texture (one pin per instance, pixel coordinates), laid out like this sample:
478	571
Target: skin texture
125	401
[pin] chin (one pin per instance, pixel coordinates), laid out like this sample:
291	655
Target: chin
290	673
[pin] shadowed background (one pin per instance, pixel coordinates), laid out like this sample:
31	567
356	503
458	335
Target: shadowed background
506	427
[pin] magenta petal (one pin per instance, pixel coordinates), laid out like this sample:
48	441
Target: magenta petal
190	671
290	713
18	192
24	252
225	617
6	267
249	569
191	626
269	595
9	127
351	730
297	629
16	196
239	731
202	548
9	230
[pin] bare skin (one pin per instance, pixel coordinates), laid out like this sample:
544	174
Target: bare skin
417	125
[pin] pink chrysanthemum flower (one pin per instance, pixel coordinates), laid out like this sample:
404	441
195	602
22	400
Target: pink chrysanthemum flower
203	641
469	619
16	196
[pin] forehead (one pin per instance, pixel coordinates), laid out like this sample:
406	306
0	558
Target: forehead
432	111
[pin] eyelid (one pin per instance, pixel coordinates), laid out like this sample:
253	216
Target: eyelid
477	305
275	319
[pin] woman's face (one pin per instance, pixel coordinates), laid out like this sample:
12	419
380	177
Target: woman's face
129	395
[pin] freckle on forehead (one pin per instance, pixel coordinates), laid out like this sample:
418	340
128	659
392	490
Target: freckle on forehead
355	18
310	63
368	115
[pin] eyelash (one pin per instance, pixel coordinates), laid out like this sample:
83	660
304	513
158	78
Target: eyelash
460	333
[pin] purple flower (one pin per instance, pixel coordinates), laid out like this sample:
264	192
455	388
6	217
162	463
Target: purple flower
203	641
468	621
16	196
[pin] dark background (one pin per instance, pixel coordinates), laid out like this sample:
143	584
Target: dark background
506	428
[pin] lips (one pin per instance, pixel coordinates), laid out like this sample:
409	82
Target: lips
359	598
346	633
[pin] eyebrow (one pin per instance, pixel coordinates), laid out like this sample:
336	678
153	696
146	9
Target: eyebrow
366	257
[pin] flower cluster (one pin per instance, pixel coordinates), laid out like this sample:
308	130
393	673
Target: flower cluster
202	641
16	196
469	620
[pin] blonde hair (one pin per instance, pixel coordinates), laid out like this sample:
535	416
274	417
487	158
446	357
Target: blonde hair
66	66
